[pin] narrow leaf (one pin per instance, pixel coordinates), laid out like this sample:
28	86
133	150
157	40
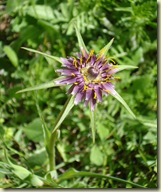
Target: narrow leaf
121	100
80	40
44	54
122	67
41	86
105	49
93	125
71	173
62	115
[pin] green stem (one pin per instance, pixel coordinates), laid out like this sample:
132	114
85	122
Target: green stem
51	151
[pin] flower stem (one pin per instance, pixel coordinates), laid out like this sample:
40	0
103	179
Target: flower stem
51	151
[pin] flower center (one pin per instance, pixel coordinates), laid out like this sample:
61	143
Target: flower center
92	73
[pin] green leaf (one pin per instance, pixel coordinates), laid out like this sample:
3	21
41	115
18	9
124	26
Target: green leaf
11	54
105	49
96	156
93	124
34	130
71	173
44	54
122	67
121	100
19	171
41	12
41	86
80	40
62	115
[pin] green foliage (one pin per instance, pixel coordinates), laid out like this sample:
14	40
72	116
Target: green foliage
125	148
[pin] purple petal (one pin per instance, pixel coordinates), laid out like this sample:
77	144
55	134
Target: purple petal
98	93
109	87
88	94
114	70
66	80
67	71
78	97
92	103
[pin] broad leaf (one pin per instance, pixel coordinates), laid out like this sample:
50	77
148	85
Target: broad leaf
71	173
121	100
41	86
80	40
44	54
62	115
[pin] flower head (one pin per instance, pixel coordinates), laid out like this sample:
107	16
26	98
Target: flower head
91	76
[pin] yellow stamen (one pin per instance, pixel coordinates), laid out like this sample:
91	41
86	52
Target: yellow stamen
72	74
75	62
76	83
85	78
95	96
89	56
81	60
85	87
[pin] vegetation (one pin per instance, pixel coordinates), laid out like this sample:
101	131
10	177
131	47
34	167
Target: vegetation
124	154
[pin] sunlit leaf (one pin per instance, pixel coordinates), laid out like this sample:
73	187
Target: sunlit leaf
11	54
44	54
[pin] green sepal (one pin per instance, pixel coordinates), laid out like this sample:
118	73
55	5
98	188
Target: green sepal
105	49
124	67
44	54
80	40
121	100
41	86
64	112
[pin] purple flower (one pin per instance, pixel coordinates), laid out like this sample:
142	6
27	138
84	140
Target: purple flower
91	76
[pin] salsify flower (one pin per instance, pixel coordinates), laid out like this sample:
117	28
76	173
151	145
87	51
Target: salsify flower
91	76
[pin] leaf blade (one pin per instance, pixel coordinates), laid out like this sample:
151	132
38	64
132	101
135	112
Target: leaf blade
71	173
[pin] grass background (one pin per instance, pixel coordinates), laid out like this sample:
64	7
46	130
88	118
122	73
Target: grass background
124	148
